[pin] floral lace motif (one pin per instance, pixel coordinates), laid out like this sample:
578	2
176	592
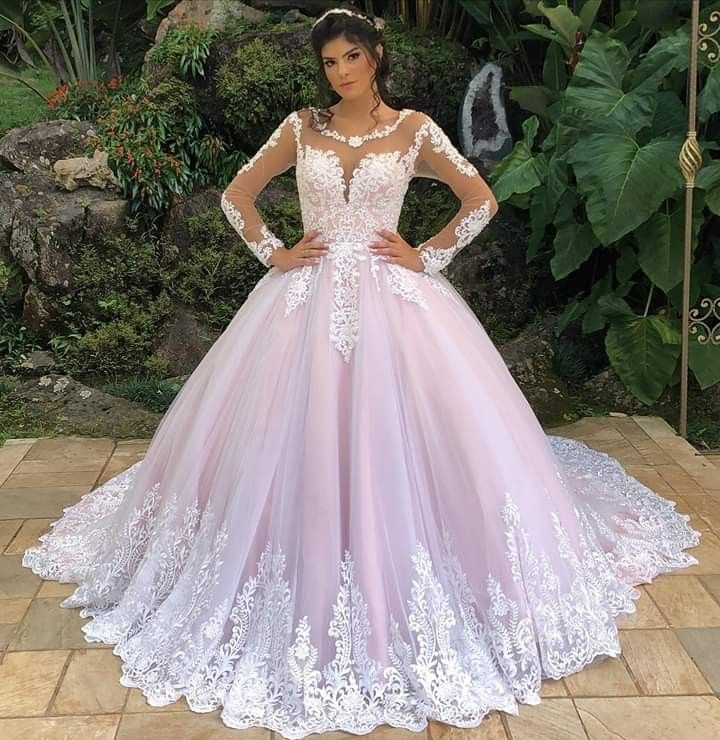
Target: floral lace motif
437	258
264	248
455	655
356	141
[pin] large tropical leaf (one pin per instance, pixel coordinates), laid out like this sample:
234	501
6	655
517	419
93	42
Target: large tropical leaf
669	54
708	101
709	180
595	91
642	358
624	183
704	361
661	242
573	244
520	171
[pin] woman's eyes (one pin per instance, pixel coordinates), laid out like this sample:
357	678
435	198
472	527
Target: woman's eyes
354	55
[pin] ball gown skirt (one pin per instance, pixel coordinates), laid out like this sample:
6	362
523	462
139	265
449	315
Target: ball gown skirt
314	544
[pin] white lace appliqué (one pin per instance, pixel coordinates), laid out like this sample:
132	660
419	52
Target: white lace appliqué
149	580
437	258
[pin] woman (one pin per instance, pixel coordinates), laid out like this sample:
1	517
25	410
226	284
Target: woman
350	515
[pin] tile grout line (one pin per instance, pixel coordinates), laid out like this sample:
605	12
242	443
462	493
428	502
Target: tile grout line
60	679
580	719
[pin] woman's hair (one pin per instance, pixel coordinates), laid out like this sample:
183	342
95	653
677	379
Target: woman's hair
355	30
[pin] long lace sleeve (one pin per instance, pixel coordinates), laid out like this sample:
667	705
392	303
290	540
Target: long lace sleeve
275	156
438	159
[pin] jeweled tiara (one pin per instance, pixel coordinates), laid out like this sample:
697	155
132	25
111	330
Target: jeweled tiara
378	23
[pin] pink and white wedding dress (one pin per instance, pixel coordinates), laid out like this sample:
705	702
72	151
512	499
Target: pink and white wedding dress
350	515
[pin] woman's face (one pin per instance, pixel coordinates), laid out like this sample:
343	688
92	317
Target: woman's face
348	62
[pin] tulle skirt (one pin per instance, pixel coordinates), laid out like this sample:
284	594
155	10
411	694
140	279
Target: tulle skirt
350	516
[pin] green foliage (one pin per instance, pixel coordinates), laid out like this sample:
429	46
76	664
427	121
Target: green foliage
157	395
19	108
85	100
273	81
606	197
158	147
185	49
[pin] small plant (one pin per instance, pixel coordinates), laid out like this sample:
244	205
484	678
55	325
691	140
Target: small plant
186	49
86	100
157	395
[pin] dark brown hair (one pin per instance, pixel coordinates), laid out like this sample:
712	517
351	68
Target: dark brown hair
357	31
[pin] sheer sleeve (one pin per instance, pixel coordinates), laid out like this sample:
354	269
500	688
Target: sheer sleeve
438	159
275	156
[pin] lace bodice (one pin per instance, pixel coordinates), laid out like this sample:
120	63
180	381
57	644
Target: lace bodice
350	186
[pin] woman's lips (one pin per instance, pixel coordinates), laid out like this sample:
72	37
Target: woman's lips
347	84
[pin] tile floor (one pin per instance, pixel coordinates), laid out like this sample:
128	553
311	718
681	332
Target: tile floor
665	685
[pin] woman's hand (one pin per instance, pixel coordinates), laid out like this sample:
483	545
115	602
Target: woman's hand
306	252
396	250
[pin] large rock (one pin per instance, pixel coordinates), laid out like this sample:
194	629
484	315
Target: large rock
37	146
184	341
492	275
529	358
75	408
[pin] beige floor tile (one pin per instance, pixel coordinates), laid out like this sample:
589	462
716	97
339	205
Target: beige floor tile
680	480
56	465
8	529
712	584
48	626
608	678
91	684
35	503
28	681
48	480
651	718
16	581
647	615
80	448
13	610
708	507
659	663
708	553
50	589
685	602
188	726
7	633
703	646
655	426
552	688
98	727
28	535
136	703
552	719
491	728
10	457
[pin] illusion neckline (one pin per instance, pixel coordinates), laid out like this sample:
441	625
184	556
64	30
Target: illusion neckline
357	140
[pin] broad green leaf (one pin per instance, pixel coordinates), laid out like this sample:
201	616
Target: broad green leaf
614	307
520	171
704	361
670	115
563	20
624	183
709	180
533	98
669	54
593	320
708	101
700	275
573	244
555	75
587	15
547	33
573	311
640	356
661	246
596	91
627	264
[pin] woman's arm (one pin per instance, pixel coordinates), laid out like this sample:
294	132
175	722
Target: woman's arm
438	159
275	156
